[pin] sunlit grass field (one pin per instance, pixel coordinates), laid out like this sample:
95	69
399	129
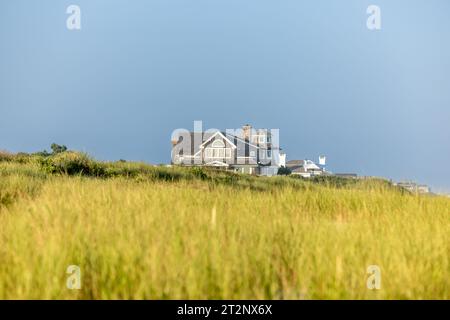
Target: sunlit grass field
178	233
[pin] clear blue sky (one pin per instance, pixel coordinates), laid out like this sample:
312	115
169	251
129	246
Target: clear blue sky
376	103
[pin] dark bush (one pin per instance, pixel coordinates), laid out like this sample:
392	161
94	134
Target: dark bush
283	171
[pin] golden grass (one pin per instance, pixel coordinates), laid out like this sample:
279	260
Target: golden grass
194	240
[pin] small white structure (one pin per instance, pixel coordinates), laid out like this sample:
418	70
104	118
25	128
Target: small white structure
322	160
282	162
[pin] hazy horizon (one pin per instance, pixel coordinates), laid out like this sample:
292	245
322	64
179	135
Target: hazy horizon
374	102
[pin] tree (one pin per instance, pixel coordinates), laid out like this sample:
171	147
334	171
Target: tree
44	153
283	171
56	148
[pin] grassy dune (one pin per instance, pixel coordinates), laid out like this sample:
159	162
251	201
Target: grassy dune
174	233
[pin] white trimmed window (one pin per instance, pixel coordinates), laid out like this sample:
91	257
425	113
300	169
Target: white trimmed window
218	150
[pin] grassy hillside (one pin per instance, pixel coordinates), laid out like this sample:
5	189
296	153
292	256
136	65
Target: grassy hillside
139	231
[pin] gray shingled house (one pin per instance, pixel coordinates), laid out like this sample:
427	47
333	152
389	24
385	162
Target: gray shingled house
247	150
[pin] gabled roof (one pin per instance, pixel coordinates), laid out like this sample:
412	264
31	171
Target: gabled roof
215	134
295	162
198	140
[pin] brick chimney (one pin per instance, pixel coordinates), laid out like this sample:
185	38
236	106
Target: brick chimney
246	131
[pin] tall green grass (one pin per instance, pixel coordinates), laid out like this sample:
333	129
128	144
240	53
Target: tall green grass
144	232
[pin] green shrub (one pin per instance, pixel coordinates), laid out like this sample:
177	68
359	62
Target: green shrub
199	173
165	174
72	163
56	148
333	181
